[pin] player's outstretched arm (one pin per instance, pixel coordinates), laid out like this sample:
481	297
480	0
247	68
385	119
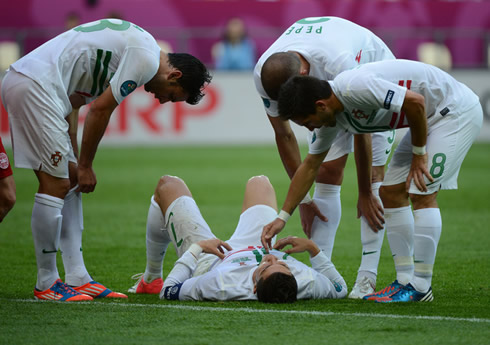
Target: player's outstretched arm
300	185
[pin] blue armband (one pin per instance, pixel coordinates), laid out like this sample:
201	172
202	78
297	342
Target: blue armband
172	292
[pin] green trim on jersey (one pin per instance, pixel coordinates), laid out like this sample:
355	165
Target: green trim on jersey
365	129
316	21
108	57
104	24
99	81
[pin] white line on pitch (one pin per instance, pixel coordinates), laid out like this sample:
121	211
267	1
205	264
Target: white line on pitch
253	310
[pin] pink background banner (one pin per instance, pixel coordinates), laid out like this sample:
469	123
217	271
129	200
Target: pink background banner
193	26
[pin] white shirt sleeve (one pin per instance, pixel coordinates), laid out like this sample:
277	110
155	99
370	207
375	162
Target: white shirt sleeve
137	67
182	272
322	264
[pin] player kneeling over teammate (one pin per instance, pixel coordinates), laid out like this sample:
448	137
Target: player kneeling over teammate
238	269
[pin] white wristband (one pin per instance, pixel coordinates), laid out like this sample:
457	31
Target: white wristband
307	199
195	250
284	216
419	150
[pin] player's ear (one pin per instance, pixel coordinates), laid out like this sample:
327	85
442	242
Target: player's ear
255	288
320	104
175	74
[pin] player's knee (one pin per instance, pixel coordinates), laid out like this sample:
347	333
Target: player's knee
378	174
168	181
331	172
424	201
260	181
393	196
61	188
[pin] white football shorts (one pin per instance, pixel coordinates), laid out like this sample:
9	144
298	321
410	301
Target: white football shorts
39	131
344	144
448	141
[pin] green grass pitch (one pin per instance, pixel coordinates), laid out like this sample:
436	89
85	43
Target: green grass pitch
114	249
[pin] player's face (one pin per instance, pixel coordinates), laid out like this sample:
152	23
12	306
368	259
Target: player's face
168	91
324	116
269	265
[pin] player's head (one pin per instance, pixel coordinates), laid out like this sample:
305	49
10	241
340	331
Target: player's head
277	69
194	75
305	101
274	282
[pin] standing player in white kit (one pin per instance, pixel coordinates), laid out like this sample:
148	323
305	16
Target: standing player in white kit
102	61
323	47
444	117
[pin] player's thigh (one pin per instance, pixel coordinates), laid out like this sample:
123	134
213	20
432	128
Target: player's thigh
448	143
332	169
259	191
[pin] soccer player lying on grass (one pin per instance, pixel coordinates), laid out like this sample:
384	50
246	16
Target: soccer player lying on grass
444	117
238	269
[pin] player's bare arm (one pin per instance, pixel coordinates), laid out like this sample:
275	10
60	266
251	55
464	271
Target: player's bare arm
288	148
414	109
300	185
367	204
287	145
94	128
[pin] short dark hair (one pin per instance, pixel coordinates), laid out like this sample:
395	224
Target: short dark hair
298	95
277	288
276	70
195	75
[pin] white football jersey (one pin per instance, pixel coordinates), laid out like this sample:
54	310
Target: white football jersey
231	278
86	59
331	45
373	95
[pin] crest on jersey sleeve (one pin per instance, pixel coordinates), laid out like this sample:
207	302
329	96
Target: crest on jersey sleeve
127	87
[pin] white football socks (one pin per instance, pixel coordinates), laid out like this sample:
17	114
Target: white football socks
399	224
157	241
428	226
371	245
46	227
327	198
71	240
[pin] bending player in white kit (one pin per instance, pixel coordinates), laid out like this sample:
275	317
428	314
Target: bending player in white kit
103	62
323	47
243	269
444	117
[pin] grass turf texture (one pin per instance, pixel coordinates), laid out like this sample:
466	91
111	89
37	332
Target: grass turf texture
114	249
